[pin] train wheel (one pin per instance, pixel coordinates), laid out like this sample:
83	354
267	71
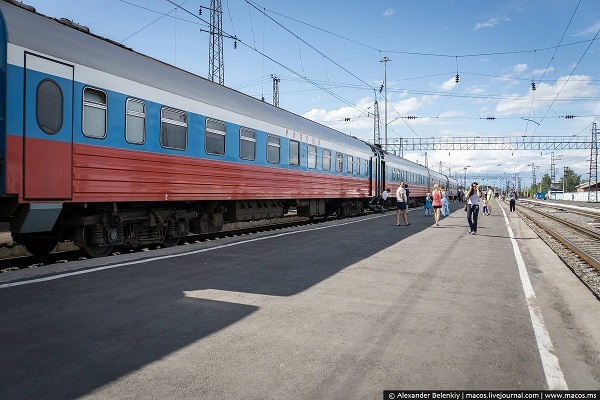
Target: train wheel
39	247
93	250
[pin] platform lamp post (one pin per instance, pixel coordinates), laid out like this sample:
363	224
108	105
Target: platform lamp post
465	182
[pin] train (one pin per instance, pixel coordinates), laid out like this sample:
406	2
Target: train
107	147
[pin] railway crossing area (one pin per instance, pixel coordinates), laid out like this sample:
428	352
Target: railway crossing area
342	309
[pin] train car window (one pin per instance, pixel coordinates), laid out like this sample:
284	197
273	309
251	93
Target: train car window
326	160
135	121
273	148
94	113
215	137
358	166
173	128
49	107
294	153
366	167
339	162
247	144
350	164
311	162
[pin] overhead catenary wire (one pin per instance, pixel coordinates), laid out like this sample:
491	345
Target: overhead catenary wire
329	86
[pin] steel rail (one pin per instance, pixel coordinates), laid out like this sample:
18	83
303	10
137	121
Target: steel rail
588	258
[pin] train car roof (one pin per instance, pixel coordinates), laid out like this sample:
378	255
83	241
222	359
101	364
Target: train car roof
74	43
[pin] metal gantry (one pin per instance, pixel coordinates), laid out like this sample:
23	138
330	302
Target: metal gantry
488	143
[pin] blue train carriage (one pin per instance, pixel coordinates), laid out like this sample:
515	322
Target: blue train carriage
414	175
105	146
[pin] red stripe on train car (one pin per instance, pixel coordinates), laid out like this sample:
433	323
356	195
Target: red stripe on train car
104	174
47	169
14	166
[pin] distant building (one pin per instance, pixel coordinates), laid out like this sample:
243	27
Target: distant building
586	187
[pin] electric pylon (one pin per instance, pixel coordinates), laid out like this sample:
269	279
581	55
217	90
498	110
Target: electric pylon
275	90
216	67
376	131
593	179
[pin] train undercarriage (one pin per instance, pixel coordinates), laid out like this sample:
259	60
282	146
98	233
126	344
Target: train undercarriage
100	228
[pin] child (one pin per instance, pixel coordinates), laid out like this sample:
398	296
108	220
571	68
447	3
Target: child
485	206
428	206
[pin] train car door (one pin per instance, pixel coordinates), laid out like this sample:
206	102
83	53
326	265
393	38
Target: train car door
48	129
382	177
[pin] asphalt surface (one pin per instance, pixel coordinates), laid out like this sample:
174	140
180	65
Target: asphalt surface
340	310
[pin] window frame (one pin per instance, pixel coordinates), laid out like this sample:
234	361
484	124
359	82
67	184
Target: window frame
339	162
311	159
326	160
45	128
296	154
212	131
248	141
276	143
165	120
95	105
135	114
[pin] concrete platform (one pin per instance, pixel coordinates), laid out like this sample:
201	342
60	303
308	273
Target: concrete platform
339	310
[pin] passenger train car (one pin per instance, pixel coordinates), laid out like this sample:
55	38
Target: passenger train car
108	147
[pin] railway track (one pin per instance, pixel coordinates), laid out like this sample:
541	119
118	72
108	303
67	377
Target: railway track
66	252
573	233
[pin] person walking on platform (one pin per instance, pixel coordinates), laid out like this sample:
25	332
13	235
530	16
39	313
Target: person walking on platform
428	207
473	197
401	204
490	195
484	202
407	195
437	203
383	199
512	196
445	203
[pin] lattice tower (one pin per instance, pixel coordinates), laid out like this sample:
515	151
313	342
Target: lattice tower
593	176
216	67
376	124
275	90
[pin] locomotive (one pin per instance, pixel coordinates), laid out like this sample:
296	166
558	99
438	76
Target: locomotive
105	146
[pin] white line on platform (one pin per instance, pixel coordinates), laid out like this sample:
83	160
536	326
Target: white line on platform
187	253
554	375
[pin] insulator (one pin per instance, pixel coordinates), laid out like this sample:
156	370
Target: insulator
457	78
532	85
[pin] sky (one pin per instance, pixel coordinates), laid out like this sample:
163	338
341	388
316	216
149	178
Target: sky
327	55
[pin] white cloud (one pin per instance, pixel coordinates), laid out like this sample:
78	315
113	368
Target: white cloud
576	86
491	22
389	12
520	68
448	85
543	71
592	30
